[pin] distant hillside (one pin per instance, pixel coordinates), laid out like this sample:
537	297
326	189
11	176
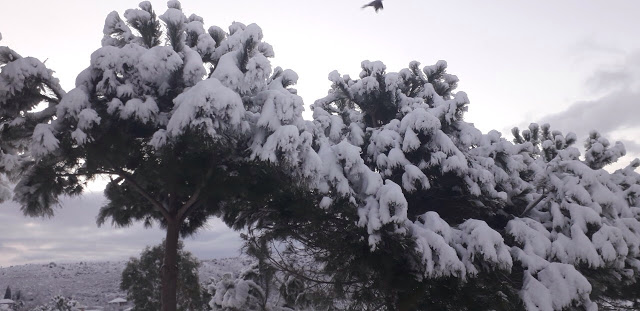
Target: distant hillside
90	283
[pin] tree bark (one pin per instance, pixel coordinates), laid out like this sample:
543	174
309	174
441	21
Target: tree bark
170	268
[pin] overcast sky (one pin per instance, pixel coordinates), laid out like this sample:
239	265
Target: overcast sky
573	63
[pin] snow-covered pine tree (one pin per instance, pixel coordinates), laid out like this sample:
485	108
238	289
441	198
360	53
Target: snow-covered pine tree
25	83
400	153
417	206
188	123
395	153
584	217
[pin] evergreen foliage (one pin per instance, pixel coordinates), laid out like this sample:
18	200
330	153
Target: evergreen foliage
142	280
7	293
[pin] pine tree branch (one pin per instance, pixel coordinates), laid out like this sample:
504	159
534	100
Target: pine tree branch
283	267
532	205
612	305
80	174
48	99
57	90
155	203
186	208
45	113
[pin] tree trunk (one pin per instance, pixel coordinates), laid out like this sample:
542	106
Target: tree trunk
170	267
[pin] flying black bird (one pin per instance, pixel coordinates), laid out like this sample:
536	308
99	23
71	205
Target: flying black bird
376	4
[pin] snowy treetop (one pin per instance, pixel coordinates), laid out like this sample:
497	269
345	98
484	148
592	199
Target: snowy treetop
407	128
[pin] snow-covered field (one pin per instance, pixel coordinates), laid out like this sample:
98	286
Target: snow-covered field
90	283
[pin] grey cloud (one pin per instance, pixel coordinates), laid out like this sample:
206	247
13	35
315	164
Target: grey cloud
72	235
618	109
605	80
633	147
592	45
616	76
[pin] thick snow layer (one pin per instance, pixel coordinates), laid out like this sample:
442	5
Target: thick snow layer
72	104
433	240
412	176
173	15
208	105
116	32
144	111
137	15
393	205
232	293
279	109
43	140
481	240
16	73
79	136
532	235
193	70
566	285
228	71
281	145
157	64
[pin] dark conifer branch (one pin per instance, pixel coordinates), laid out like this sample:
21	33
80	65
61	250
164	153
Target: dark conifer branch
155	203
532	205
280	264
56	89
48	99
184	209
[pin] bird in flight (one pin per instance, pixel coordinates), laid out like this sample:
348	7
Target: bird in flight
376	4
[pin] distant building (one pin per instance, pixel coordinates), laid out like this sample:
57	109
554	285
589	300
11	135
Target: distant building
118	304
6	304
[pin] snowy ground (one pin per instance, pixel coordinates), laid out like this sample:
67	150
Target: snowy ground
90	283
